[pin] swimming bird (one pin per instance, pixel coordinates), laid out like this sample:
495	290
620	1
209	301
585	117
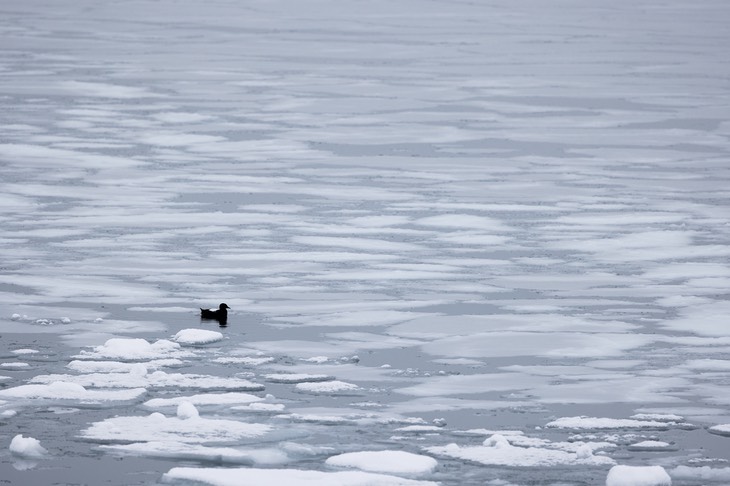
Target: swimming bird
220	314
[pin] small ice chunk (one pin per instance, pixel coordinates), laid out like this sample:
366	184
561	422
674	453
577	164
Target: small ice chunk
65	320
497	441
8	413
98	320
584	452
25	351
15	317
27	447
638	476
194	337
317	359
392	462
261	407
187	410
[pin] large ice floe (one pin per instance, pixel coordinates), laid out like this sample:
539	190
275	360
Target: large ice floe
293	477
518	451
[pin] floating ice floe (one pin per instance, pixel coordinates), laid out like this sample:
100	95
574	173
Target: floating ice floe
16	365
27	447
244	360
722	429
84	366
290	477
260	407
318	418
419	429
72	392
25	351
193	337
297	378
602	423
231	398
137	377
638	476
134	349
389	462
159	428
498	451
334	387
651	446
706	473
196	452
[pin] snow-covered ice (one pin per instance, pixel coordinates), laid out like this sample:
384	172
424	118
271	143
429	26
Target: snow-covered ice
157	427
197	336
61	391
498	450
489	234
389	462
638	476
227	399
135	349
293	477
27	447
327	387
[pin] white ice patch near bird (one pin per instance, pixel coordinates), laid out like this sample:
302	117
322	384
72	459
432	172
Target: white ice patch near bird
194	337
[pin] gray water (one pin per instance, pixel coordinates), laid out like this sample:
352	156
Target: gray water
491	215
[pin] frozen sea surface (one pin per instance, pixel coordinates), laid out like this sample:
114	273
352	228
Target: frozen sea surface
463	242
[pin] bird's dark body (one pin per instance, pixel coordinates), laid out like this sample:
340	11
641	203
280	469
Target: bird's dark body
220	314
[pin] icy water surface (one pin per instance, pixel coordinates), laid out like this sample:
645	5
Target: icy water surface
463	242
